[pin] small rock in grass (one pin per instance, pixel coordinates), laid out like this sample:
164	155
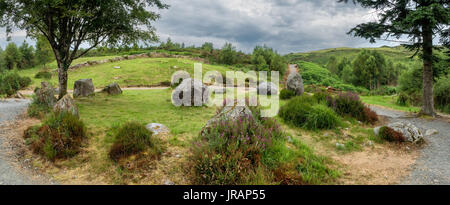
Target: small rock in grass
431	132
66	104
116	67
290	140
370	143
157	128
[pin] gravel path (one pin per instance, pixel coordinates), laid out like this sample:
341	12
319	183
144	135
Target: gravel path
9	111
433	166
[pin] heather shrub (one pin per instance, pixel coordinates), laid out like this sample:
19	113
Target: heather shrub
230	152
391	135
321	117
286	94
349	104
133	138
60	136
322	96
11	82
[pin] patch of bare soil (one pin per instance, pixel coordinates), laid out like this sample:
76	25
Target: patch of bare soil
381	165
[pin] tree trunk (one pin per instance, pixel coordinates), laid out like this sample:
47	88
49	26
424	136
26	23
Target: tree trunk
62	78
428	101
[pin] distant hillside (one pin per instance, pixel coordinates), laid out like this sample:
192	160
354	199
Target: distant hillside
397	54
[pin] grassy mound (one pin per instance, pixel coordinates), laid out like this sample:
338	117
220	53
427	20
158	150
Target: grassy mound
286	94
133	138
305	112
349	104
60	136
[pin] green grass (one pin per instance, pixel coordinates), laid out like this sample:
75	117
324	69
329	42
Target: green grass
389	102
137	72
147	106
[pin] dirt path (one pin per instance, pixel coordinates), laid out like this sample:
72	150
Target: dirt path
433	166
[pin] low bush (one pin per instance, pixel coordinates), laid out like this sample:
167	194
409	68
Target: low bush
442	94
296	110
390	135
133	138
322	96
349	104
38	109
384	90
11	82
43	75
60	136
402	99
321	117
286	94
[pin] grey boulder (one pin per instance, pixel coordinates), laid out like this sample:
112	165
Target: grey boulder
66	104
408	130
83	88
295	83
190	93
113	89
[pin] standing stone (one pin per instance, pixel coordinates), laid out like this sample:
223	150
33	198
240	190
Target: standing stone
46	94
66	104
83	88
295	83
178	78
267	88
113	89
190	93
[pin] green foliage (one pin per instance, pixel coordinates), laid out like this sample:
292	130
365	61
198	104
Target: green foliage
384	90
12	56
38	109
402	99
11	82
27	52
228	55
286	94
410	84
321	117
369	68
43	75
44	52
266	59
133	138
442	94
59	137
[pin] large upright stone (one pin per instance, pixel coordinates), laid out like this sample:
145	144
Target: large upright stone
190	93
113	89
83	88
267	88
66	104
295	83
46	94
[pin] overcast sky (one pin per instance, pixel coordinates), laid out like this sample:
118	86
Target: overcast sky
286	25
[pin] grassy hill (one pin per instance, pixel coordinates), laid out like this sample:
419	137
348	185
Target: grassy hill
137	72
397	54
